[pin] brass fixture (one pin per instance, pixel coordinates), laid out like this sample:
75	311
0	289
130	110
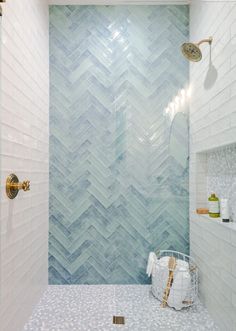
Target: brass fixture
118	320
1	1
192	51
13	186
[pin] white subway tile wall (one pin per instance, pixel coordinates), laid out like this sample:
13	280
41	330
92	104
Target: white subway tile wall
213	124
24	151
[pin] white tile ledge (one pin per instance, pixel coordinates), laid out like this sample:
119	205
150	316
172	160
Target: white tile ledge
223	231
218	220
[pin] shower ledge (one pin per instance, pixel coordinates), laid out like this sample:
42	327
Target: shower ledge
222	230
229	226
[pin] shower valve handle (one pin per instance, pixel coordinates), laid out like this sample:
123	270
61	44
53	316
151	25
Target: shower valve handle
13	186
25	185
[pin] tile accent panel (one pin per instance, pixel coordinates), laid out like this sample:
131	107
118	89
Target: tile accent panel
116	192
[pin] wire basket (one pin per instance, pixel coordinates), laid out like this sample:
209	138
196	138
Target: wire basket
184	287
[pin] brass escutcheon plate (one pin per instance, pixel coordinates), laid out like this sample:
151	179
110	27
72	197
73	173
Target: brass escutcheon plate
11	191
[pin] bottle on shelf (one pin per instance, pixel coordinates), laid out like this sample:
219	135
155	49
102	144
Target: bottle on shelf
224	210
214	206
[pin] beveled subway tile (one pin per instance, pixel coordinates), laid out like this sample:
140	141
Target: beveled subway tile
24	74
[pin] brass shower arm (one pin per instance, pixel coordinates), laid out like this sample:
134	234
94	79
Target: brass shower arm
209	40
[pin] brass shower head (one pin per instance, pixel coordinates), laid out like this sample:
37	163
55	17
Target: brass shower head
192	51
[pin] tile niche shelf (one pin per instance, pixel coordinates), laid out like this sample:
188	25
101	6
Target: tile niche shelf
216	172
230	226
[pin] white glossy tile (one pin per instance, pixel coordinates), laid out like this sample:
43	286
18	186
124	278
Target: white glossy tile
24	96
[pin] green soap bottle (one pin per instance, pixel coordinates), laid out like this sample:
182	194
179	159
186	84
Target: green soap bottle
214	206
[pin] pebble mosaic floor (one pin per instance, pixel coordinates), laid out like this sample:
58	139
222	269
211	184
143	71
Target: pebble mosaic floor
91	308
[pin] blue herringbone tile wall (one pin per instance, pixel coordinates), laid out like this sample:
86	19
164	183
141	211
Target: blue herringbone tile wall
113	193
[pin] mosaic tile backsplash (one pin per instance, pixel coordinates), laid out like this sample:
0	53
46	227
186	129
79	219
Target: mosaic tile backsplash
116	190
221	175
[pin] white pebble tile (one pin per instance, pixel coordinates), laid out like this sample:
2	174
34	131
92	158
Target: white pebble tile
91	307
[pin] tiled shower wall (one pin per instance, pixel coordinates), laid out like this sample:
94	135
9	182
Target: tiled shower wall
24	118
212	128
116	192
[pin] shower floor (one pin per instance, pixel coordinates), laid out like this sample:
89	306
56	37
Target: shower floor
91	308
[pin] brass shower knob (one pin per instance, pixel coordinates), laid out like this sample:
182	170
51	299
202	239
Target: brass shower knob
25	185
13	186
